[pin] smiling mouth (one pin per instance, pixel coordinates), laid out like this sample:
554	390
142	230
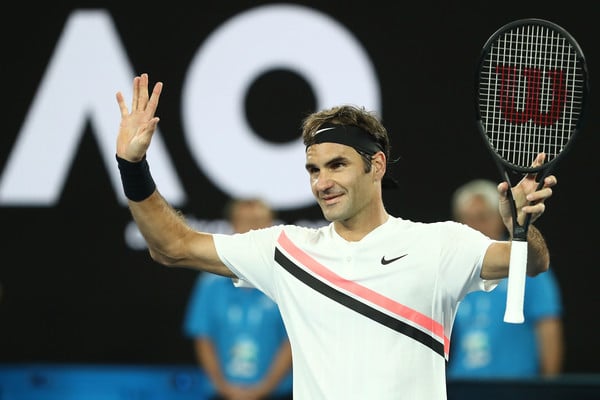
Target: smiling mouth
330	199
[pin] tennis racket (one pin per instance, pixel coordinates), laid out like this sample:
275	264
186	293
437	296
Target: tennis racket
531	91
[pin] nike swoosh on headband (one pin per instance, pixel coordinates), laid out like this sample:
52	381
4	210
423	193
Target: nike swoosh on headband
324	129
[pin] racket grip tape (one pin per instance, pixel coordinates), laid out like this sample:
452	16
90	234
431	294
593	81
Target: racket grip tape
517	272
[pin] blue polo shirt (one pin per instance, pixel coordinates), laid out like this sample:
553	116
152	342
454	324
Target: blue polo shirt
244	325
484	346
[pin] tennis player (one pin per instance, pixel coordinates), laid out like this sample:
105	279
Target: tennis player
369	300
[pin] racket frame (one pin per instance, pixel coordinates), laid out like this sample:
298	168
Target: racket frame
518	258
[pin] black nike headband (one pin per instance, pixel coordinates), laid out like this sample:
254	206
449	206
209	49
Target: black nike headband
355	137
348	135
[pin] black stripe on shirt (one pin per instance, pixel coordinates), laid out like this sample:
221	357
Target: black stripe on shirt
359	307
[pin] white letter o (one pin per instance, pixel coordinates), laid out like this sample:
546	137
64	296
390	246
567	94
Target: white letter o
291	37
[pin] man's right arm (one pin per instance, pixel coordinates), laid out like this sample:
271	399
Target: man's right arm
171	241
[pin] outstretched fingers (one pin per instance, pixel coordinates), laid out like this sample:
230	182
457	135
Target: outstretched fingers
142	92
141	101
139	123
136	94
153	101
122	106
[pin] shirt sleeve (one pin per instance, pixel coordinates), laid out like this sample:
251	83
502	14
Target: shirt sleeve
250	256
463	251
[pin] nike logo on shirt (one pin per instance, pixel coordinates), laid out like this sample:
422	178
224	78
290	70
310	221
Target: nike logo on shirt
391	260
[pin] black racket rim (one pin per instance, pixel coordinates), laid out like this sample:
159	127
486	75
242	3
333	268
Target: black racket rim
584	92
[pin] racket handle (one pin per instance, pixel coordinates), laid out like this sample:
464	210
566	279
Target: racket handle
517	273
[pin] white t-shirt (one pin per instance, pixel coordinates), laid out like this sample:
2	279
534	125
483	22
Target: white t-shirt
368	319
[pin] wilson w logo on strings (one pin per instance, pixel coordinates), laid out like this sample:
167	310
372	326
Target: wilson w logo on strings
525	98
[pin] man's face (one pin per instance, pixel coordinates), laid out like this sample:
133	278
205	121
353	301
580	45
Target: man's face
338	180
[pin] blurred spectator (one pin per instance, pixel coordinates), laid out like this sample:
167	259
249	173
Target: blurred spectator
483	345
239	337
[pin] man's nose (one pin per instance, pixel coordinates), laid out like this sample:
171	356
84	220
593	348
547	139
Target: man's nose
322	181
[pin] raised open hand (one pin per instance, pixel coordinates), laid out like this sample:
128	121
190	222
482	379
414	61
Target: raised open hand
138	126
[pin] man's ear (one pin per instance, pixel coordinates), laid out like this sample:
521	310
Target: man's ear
379	164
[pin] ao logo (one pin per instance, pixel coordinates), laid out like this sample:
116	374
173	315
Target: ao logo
90	65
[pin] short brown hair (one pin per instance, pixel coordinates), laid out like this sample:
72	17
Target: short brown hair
347	115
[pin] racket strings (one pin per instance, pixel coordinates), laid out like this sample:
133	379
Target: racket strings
530	93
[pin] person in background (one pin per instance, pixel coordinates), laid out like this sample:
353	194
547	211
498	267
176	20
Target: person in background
483	345
239	337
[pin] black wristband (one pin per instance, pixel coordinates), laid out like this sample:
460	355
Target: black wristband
136	178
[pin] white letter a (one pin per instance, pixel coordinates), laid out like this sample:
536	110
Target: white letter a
87	68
